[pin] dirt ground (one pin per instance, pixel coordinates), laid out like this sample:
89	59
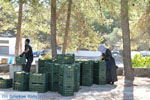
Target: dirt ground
122	90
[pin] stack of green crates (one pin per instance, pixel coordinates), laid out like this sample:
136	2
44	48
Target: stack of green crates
38	82
46	66
99	76
54	78
20	60
5	83
66	79
65	58
96	66
63	74
77	77
86	73
21	81
51	68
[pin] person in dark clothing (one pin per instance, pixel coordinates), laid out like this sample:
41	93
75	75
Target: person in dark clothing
111	68
29	56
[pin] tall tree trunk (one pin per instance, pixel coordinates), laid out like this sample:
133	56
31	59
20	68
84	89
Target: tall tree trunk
67	27
128	71
18	36
20	43
53	28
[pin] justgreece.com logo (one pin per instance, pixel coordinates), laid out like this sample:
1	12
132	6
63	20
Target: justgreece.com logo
18	95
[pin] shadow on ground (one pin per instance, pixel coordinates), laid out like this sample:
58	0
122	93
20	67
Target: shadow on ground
128	92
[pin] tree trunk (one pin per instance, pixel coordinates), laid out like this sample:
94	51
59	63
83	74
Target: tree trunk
20	43
53	28
128	71
67	27
18	36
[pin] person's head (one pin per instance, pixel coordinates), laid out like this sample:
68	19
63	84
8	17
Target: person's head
27	41
102	48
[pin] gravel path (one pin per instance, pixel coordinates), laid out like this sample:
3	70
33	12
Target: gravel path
122	90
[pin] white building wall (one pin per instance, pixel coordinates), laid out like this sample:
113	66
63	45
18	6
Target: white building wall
12	43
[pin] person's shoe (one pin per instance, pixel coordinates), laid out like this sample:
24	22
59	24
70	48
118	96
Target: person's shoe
112	83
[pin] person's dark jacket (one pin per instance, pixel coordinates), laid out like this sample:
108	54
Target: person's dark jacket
110	66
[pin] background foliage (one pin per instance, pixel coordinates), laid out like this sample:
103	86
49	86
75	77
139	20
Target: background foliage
139	61
92	22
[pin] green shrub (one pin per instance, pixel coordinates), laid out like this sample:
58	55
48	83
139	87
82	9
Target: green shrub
47	56
140	61
147	61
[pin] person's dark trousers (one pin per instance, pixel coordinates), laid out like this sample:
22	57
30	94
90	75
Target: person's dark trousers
27	67
108	76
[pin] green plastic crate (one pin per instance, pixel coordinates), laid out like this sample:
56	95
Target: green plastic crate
5	83
20	86
41	88
86	81
20	60
56	68
96	65
38	78
65	58
66	79
66	74
99	75
102	66
21	77
87	64
77	77
66	90
100	80
67	69
66	93
43	63
53	82
86	70
54	78
47	68
54	86
52	70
